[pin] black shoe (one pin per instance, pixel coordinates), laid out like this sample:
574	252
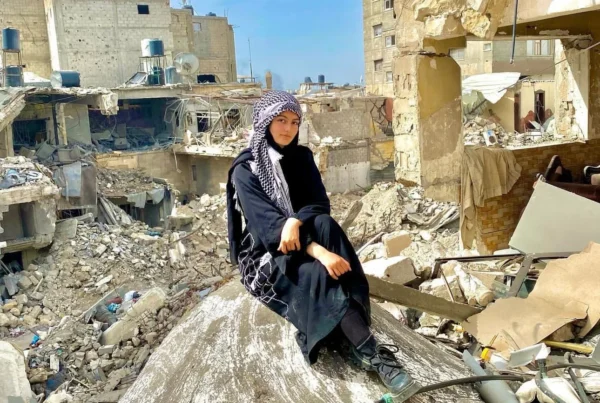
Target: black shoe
381	359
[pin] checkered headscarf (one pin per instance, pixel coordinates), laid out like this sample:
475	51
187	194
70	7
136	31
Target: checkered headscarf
266	109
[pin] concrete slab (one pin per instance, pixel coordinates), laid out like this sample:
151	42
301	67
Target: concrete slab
232	348
13	379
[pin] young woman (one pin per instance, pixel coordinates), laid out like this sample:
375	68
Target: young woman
292	255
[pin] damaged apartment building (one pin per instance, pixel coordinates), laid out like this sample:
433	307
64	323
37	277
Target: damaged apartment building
90	88
427	58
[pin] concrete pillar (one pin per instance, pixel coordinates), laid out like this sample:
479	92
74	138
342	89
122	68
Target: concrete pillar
428	123
269	80
6	142
572	83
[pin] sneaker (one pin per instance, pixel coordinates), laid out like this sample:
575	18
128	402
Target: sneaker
381	359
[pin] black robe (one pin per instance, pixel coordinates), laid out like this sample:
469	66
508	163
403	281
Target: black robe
295	286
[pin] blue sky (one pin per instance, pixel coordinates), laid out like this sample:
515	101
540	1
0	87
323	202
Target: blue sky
308	38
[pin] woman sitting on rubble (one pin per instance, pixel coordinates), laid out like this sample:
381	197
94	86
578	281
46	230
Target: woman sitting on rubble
292	255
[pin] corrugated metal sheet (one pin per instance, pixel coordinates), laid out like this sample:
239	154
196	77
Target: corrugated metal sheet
493	86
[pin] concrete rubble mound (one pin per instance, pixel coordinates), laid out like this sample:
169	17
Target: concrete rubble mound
391	207
208	357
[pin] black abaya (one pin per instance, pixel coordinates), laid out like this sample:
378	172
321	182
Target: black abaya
295	286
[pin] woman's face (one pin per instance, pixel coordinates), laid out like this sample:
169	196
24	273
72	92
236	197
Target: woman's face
284	128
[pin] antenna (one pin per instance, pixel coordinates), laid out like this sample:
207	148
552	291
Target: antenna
250	50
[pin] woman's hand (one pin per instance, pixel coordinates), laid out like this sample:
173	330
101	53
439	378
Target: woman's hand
334	264
290	236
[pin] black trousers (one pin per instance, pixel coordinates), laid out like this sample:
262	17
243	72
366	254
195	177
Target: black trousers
329	234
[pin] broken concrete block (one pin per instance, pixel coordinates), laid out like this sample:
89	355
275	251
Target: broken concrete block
444	27
100	250
4	320
24	282
399	270
9	304
125	329
66	229
35	311
21	299
145	239
371	252
13	378
108	349
396	242
438	287
473	289
427	320
205	200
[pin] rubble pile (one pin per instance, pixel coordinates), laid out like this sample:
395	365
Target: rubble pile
390	207
117	182
21	171
481	131
76	352
489	132
206	243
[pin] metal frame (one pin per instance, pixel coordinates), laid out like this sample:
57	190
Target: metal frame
521	275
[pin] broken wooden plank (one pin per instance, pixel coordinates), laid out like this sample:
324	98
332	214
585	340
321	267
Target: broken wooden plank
411	298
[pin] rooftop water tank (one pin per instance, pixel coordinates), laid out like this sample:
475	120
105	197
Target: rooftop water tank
152	48
211	15
10	39
65	79
321	79
172	76
156	76
14	76
307	80
189	7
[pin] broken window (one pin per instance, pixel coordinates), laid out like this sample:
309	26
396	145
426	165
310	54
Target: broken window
390	41
377	30
389	77
378	65
389	4
143	9
197	27
457	54
487	47
539	47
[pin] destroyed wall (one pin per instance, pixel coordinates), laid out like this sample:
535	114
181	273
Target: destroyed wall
428	124
102	39
182	30
573	86
524	63
29	18
76	123
344	167
31	112
504	109
497	219
476	60
207	173
379	54
577	22
214	45
348	124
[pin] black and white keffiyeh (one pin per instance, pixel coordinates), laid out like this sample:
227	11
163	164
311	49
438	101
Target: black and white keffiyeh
265	164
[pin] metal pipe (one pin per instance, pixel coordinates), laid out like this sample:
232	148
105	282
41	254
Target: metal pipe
514	34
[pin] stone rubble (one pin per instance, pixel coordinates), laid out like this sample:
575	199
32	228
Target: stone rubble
61	303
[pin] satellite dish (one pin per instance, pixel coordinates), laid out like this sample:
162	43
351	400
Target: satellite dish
186	64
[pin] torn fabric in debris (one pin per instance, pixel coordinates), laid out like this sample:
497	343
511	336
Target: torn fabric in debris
486	173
